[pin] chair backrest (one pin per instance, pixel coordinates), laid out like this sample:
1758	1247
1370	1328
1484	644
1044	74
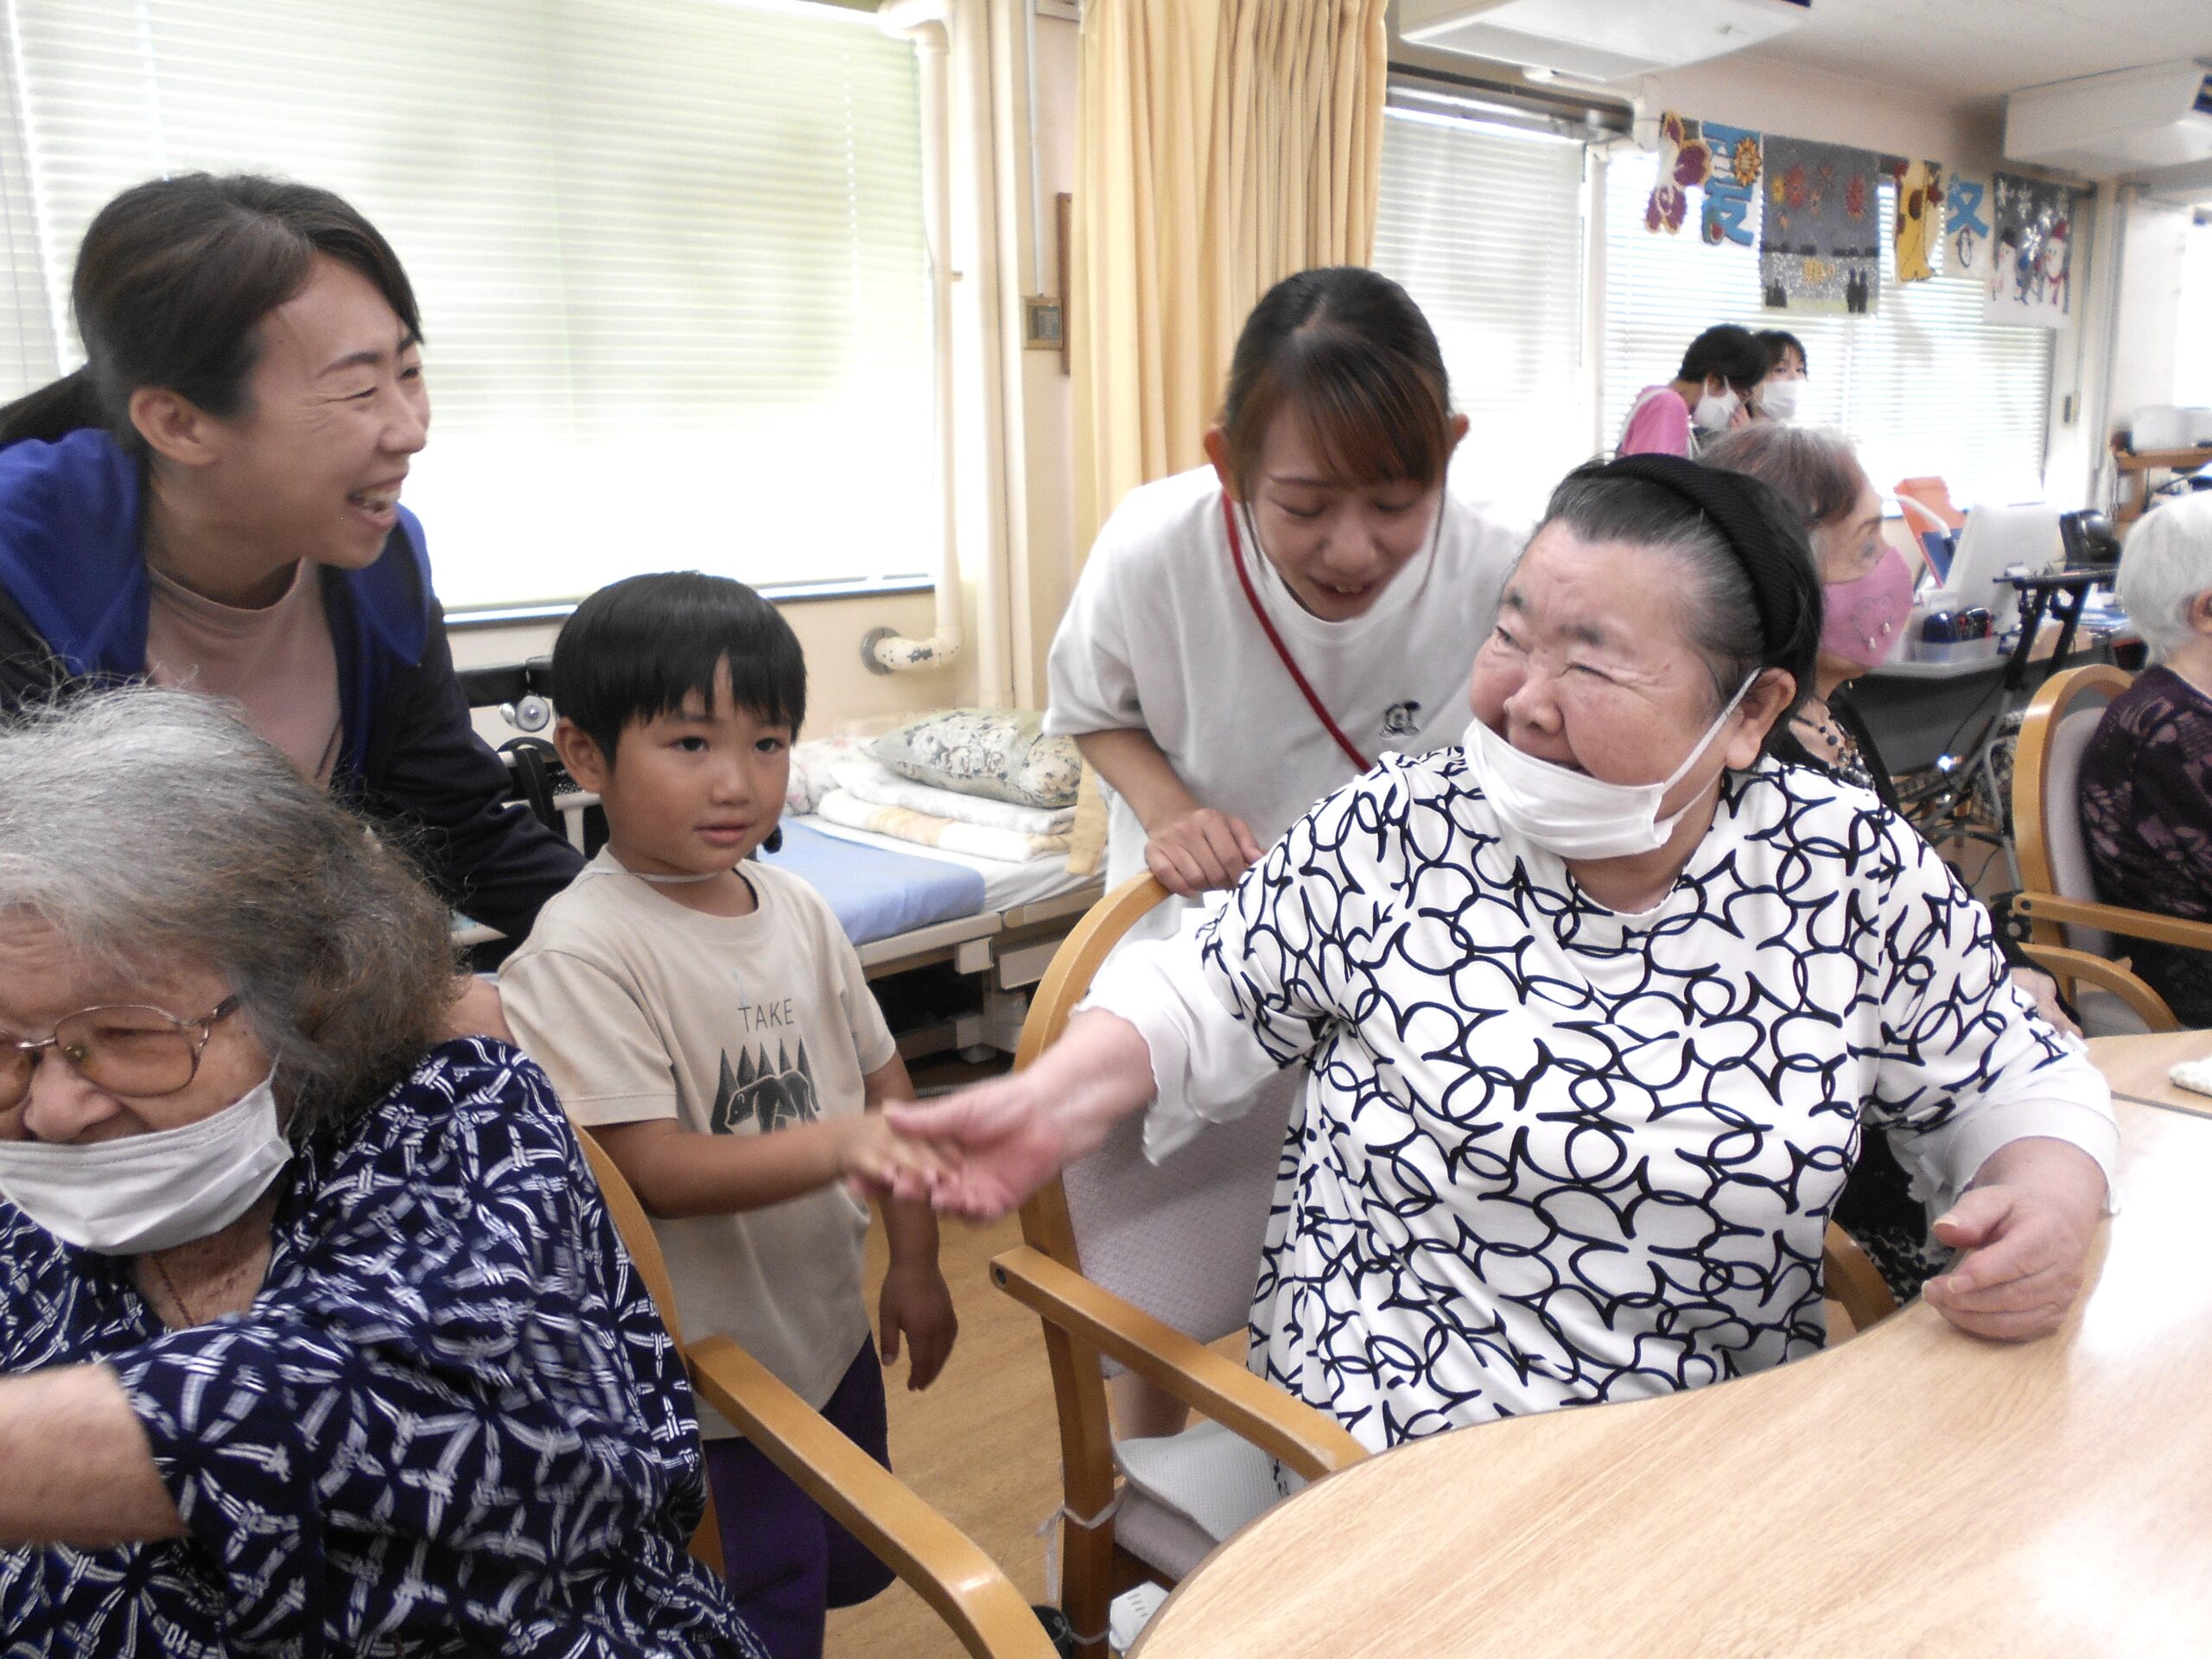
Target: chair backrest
2047	794
1181	1240
637	1230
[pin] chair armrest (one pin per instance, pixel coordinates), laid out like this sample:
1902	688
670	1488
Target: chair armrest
990	1617
1312	1442
2114	919
2062	962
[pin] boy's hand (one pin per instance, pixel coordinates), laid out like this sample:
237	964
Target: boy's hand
873	1158
917	1304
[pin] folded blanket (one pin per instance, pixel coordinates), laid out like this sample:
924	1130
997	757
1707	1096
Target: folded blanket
812	763
878	784
1009	846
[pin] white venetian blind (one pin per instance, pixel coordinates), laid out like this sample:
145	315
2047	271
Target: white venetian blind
1922	385
1483	225
669	254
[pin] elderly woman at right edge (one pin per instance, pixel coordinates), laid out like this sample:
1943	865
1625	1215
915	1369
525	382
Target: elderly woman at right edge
1594	1011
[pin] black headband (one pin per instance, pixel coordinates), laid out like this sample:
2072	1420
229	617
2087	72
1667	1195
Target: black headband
1731	508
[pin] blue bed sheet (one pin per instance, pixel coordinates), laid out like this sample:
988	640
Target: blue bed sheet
876	893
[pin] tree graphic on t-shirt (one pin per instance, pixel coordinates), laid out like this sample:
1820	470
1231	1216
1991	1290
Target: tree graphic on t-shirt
768	1094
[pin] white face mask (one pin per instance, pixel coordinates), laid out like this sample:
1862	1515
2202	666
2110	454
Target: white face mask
149	1191
1777	399
1571	814
1714	411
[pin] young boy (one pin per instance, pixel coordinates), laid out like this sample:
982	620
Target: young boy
707	1017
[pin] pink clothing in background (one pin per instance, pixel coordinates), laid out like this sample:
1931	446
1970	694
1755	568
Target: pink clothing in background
1658	424
277	662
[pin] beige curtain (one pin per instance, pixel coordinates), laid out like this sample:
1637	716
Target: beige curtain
1221	145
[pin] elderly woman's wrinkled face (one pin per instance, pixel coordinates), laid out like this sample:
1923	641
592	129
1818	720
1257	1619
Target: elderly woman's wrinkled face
1589	668
43	982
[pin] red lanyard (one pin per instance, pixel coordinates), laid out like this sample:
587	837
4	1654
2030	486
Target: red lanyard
1360	762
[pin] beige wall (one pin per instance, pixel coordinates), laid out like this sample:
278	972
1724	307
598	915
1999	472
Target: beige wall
840	691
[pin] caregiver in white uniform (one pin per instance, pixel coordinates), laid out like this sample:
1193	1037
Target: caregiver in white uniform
1249	636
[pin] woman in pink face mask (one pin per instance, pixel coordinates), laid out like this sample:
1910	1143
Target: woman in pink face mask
1865	597
1866	587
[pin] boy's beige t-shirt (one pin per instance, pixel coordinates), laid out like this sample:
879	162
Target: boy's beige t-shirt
638	1007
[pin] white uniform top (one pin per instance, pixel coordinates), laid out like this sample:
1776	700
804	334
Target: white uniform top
1551	1155
1159	636
638	1008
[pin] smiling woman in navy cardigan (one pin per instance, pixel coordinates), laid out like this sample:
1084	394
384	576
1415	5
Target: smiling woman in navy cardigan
212	502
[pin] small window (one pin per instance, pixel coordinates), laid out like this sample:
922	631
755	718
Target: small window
670	255
1923	385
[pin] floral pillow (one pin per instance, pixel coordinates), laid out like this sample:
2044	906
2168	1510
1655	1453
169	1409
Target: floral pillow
1001	754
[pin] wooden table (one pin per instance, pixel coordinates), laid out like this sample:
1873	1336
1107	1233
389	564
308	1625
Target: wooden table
1914	1492
2137	1067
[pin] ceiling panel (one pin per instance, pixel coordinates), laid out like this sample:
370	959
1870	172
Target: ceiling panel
1973	54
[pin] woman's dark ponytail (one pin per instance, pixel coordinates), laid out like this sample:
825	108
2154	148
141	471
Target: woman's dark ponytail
55	411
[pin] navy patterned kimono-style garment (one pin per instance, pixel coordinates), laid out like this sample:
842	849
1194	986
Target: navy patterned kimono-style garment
451	1422
1550	1155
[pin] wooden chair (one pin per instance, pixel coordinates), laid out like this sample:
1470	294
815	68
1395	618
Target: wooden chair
2071	932
1129	1515
984	1609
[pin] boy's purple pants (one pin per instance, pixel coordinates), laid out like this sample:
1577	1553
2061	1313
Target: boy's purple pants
787	1563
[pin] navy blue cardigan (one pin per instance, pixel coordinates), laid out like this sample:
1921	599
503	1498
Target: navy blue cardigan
74	598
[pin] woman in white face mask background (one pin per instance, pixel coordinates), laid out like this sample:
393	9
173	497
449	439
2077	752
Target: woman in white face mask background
255	1216
1866	589
1594	1014
1777	397
1708	398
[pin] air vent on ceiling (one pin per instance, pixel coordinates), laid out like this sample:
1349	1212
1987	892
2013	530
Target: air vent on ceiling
1597	39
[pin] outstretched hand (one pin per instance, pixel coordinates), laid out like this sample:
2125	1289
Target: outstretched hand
992	1145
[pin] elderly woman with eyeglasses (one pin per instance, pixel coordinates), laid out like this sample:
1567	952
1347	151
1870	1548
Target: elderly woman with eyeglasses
314	1333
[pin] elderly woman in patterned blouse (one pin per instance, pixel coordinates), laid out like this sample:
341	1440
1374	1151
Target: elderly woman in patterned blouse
1595	1011
313	1334
2146	775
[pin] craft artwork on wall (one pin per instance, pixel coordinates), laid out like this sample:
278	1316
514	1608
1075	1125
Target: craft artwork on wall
1730	185
1820	237
2031	251
1916	229
1684	164
1966	227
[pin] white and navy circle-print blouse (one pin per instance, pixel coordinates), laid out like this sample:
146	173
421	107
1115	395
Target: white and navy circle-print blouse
1549	1154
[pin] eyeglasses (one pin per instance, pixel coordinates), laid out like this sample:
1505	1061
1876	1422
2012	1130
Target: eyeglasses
126	1050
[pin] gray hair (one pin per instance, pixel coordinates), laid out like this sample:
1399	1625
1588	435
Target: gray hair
1815	470
146	826
2167	563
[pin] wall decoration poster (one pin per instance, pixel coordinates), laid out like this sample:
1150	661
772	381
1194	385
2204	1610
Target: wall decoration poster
1966	227
1820	235
2031	251
1729	186
1916	225
1683	163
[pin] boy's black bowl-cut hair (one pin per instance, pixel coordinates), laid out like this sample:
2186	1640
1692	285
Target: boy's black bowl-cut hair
638	647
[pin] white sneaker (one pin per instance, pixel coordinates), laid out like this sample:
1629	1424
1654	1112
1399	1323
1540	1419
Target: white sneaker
1131	1612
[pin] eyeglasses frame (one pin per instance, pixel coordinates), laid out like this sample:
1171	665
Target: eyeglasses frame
204	1026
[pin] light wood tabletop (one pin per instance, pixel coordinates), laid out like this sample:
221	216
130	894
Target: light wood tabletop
2137	1067
1913	1491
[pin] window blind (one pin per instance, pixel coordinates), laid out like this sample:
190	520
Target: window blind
669	254
1922	385
2193	323
1483	225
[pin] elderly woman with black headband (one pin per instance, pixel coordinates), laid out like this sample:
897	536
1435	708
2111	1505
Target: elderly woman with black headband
1594	1012
314	1335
